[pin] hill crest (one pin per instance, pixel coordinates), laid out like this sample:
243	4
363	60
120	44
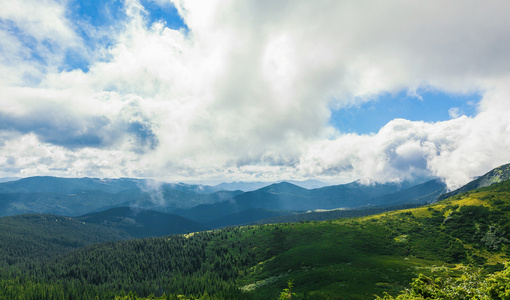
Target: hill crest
496	175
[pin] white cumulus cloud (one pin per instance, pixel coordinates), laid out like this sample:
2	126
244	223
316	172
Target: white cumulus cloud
246	91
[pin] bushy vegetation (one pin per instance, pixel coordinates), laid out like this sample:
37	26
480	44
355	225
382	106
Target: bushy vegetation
472	285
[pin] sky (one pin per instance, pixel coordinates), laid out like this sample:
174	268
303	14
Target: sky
211	91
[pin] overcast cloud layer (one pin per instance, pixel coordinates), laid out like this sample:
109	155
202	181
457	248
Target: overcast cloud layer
246	91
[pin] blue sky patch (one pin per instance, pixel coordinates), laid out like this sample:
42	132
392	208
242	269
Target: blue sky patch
98	13
166	12
433	106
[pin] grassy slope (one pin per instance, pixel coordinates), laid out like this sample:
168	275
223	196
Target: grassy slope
357	258
337	259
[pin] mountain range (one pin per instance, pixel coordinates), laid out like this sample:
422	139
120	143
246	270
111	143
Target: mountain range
286	197
463	237
77	196
209	207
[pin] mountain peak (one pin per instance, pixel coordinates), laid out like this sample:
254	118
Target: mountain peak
282	187
496	175
242	186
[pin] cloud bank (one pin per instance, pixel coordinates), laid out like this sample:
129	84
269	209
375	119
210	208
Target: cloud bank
245	92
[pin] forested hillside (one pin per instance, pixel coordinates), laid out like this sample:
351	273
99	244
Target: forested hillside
342	259
27	238
139	223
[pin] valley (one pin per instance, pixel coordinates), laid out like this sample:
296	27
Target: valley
248	245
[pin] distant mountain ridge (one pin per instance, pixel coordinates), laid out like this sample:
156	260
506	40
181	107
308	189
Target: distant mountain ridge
426	192
200	203
265	202
414	196
62	185
252	186
309	184
59	185
78	196
241	186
